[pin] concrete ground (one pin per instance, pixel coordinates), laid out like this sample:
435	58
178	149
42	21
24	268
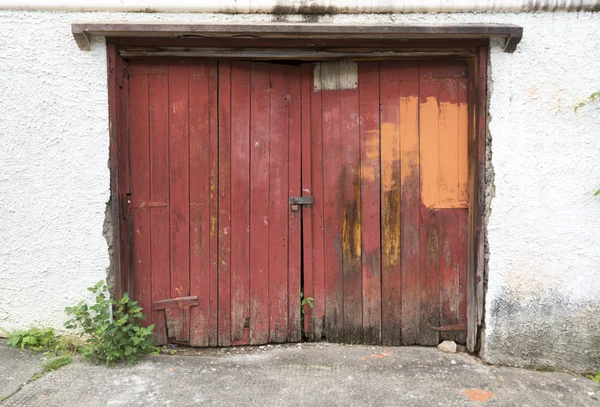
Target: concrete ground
293	375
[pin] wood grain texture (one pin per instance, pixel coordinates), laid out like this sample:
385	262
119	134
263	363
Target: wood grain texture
332	212
278	204
224	219
317	168
350	189
141	265
259	203
368	87
391	272
429	164
213	178
240	210
179	180
159	192
410	203
309	216
294	189
202	103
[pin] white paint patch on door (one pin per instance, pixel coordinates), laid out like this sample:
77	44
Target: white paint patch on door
335	75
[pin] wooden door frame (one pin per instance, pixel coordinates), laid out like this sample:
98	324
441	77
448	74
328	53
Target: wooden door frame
473	51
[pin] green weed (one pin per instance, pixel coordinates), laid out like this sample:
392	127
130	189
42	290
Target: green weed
111	337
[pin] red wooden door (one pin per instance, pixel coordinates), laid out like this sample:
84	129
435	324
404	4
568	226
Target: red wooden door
386	240
214	154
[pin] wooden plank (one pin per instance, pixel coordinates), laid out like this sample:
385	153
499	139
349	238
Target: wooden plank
410	202
309	216
259	203
453	222
213	157
140	190
476	234
201	98
375	33
452	235
333	204
240	210
224	221
305	54
181	302
350	190
159	192
391	270
179	179
278	204
368	87
429	162
448	180
317	215
294	189
125	185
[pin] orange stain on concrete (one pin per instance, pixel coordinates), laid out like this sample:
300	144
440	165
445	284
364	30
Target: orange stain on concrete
377	356
443	143
477	395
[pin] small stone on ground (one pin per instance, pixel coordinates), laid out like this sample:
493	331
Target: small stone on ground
447	346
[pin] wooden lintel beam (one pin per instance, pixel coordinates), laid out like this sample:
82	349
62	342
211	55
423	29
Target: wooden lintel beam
83	31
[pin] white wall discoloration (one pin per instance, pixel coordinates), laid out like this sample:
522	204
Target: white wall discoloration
305	6
542	302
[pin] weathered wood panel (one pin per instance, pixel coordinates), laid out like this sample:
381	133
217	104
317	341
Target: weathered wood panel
140	192
391	272
224	219
203	120
350	187
278	203
410	202
317	212
332	200
294	76
259	203
240	210
159	192
179	192
368	84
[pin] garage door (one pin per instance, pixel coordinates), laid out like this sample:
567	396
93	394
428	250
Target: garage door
220	243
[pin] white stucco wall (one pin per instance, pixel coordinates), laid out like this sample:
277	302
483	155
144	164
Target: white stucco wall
543	298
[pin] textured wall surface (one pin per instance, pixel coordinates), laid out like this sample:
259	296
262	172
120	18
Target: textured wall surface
543	279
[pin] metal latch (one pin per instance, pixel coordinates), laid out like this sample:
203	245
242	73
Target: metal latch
296	201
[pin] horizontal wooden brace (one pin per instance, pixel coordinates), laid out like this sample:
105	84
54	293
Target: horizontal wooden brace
146	204
179	302
83	31
287	54
457	327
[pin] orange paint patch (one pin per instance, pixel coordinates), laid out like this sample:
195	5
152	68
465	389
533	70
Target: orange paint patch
443	145
477	395
409	135
390	155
